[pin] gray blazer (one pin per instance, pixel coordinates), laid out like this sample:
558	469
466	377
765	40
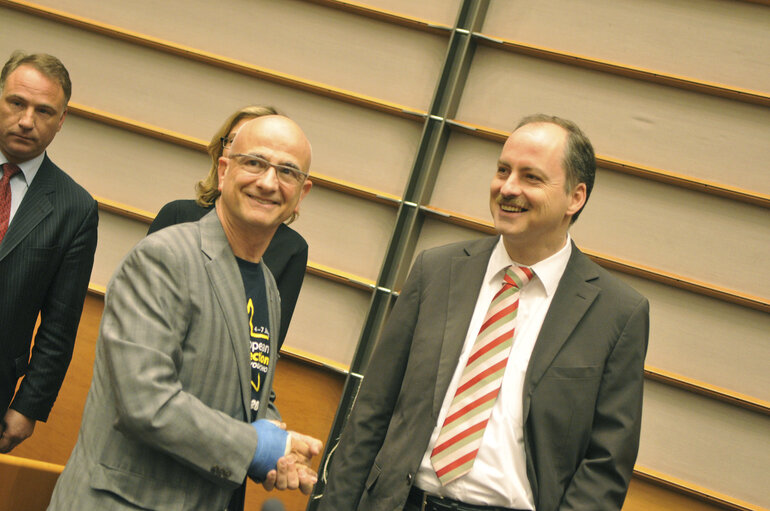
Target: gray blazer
165	424
582	390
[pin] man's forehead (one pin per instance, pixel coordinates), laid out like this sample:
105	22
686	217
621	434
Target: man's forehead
27	80
273	134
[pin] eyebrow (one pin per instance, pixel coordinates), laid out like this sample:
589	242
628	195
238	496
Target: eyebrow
282	164
37	105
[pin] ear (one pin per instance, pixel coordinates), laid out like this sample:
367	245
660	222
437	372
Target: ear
61	121
306	186
577	198
222	170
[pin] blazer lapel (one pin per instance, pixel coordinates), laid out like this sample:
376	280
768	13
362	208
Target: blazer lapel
35	206
228	287
465	278
572	299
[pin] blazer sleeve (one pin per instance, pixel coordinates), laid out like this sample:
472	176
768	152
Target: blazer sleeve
353	468
602	478
144	329
59	319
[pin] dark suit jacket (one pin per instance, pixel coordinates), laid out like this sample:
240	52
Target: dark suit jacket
582	390
286	256
45	265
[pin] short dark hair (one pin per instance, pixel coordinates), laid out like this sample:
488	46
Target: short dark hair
579	159
47	64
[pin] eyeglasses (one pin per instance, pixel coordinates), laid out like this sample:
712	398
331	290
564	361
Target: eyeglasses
256	166
227	141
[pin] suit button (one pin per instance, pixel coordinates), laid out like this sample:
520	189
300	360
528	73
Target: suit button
409	478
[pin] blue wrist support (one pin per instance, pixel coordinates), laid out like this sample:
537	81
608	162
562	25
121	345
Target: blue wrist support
271	445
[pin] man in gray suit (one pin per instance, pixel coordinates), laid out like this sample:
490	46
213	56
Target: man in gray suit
176	414
446	418
47	243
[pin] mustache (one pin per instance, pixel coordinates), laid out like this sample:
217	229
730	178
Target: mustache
510	202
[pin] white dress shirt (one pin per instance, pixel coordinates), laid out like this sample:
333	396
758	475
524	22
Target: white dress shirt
21	181
499	473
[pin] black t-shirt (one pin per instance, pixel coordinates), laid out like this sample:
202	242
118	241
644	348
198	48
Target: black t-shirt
259	327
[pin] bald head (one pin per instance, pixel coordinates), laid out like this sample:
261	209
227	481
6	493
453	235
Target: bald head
262	182
279	133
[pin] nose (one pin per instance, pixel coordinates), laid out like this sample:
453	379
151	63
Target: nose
511	186
268	179
26	118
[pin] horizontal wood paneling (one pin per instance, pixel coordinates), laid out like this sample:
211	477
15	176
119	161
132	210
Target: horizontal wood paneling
710	444
290	36
129	168
644	123
347	138
345	232
117	235
710	340
328	320
432	11
676	37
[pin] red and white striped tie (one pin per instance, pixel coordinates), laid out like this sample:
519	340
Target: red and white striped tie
468	415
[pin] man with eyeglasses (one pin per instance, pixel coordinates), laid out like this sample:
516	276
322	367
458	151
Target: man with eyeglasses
175	418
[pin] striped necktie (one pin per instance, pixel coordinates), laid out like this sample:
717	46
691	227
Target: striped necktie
468	415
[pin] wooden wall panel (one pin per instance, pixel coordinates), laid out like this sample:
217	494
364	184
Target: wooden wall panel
710	340
711	444
441	11
466	171
132	169
356	248
292	37
644	123
681	38
645	496
117	235
187	97
328	320
680	231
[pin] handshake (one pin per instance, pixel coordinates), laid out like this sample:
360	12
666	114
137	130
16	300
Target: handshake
282	459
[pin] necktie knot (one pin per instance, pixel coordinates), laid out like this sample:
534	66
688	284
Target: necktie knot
517	276
9	170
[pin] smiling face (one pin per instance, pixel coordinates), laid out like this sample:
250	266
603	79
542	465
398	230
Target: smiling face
529	198
259	204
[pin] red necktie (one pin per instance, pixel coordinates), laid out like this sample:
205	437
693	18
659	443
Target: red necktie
9	170
468	415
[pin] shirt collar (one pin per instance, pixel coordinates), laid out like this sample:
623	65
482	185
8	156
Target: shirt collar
548	271
28	168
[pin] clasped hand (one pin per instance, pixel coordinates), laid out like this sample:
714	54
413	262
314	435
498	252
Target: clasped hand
293	470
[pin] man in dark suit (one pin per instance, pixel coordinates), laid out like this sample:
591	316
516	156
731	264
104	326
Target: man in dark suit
446	418
47	242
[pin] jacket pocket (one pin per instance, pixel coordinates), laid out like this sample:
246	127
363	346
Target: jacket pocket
138	490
